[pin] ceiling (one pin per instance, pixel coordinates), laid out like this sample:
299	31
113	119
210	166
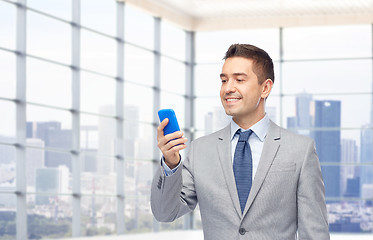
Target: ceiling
210	15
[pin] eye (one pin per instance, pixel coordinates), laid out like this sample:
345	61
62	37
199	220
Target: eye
223	81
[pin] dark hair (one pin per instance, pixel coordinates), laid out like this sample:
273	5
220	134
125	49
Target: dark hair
262	62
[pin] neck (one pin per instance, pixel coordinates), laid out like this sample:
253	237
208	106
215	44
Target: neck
246	123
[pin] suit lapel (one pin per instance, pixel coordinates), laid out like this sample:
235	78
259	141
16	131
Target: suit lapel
224	150
270	148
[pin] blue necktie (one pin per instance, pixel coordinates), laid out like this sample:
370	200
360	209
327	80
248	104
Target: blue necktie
243	167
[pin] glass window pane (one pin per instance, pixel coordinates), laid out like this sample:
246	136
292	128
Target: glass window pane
48	38
138	139
173	76
333	111
49	216
99	134
98	53
138	180
7	168
8	216
327	42
8	75
344	76
52	126
7	25
99	15
48	83
137	185
138	27
210	115
138	103
212	46
8	122
98	215
138	65
51	177
173	41
93	179
350	217
98	94
58	8
207	79
177	103
272	108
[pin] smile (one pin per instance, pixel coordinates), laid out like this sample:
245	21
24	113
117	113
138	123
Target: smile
232	99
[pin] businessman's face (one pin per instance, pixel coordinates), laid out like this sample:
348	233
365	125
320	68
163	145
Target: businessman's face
240	91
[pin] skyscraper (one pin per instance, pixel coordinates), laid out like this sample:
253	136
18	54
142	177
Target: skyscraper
328	143
53	137
302	122
366	155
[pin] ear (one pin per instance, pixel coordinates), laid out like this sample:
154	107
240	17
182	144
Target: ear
266	88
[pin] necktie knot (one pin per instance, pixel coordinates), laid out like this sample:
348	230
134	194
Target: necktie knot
244	136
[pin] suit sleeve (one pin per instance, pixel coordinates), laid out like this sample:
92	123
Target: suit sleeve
312	213
173	196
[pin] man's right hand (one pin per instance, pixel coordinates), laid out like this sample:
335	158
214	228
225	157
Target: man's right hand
170	145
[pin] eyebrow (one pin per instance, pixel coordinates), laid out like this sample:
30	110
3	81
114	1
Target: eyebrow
234	74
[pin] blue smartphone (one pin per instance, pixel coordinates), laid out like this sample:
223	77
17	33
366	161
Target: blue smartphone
172	125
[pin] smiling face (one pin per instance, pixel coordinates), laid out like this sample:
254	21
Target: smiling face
242	96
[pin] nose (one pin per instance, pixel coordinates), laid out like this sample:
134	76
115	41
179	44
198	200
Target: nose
230	86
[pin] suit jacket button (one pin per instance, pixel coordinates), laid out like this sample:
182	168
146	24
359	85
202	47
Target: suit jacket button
242	231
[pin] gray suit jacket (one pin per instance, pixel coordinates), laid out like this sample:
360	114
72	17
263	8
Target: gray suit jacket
287	194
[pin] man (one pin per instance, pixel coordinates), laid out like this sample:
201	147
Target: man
252	179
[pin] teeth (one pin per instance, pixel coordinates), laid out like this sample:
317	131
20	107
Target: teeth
232	99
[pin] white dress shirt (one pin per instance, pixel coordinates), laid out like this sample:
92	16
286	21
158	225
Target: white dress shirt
256	140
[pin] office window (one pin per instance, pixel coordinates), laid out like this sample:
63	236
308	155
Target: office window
137	189
211	46
138	138
8	216
176	102
95	179
97	94
48	38
138	66
8	27
136	103
98	53
50	125
339	76
8	122
8	74
172	76
99	15
209	82
170	35
49	215
327	42
58	8
98	215
138	28
101	132
48	83
8	170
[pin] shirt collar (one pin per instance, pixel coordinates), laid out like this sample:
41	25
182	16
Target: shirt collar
260	128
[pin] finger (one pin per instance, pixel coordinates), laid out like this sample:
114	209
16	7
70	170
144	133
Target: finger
175	143
171	136
178	148
161	127
163	140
